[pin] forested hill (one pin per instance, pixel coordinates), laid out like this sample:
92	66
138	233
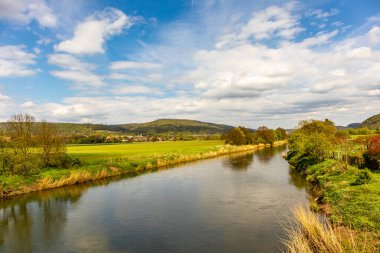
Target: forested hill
160	126
372	122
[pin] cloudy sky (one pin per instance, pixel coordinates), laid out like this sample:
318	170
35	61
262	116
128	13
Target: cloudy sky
246	62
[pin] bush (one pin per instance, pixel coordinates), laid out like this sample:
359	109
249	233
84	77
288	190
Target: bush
76	162
21	165
362	177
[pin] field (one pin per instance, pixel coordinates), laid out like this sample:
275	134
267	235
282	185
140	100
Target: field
101	161
95	153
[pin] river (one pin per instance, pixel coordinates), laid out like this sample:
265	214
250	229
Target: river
228	204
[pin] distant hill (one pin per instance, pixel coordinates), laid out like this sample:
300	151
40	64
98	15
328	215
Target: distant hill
372	122
354	125
161	126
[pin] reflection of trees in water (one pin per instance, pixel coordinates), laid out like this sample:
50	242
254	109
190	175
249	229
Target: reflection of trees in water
266	154
239	161
36	218
296	179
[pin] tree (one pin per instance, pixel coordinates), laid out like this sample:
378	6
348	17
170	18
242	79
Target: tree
4	156
281	134
311	143
20	129
316	126
318	147
372	156
374	147
51	144
30	145
235	137
265	134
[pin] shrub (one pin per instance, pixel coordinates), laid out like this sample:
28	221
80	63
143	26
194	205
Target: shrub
362	177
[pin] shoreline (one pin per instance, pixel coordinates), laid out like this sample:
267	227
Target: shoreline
328	195
82	175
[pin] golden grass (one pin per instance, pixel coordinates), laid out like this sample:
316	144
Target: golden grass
309	234
75	177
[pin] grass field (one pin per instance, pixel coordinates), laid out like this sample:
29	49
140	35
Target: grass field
94	153
101	161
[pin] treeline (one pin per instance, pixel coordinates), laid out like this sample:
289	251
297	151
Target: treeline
243	136
362	131
98	138
315	141
27	146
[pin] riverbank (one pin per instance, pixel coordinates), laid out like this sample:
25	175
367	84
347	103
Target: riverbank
350	198
102	161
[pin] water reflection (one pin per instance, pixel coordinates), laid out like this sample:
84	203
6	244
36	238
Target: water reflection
239	162
242	161
35	217
266	154
207	206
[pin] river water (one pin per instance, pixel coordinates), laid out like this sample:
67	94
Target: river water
228	204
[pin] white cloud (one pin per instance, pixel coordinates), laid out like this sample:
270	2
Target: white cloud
4	98
15	61
24	11
135	89
320	14
68	62
44	41
360	53
270	23
83	79
90	36
274	21
120	65
75	70
146	78
7	107
374	35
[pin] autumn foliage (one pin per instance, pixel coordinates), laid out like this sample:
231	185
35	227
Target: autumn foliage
374	147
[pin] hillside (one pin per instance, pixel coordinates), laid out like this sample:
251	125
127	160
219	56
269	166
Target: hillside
354	125
372	122
161	126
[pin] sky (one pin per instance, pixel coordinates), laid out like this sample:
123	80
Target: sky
237	62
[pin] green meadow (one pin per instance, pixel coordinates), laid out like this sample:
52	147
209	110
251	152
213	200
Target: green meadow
95	153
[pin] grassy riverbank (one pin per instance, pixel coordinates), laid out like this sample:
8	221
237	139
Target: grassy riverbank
101	161
353	208
346	191
341	194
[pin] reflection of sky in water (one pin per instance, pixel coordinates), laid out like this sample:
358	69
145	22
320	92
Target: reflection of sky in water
229	204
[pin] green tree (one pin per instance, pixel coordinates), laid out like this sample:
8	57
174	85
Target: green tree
318	147
311	143
281	134
315	126
235	137
265	134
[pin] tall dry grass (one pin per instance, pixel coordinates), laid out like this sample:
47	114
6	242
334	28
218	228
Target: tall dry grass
309	234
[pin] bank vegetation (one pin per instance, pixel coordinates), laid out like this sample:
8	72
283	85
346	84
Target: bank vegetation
33	156
344	172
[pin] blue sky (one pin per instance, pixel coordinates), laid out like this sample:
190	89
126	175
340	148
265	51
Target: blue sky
248	63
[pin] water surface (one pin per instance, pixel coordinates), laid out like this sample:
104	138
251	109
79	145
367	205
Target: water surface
227	204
